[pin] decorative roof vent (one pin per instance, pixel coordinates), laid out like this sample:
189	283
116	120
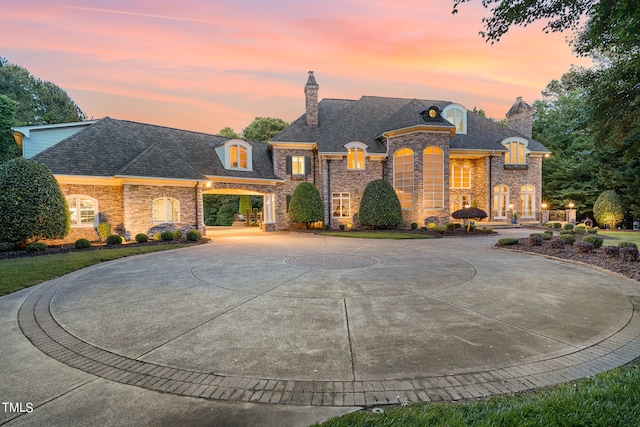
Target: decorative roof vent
431	114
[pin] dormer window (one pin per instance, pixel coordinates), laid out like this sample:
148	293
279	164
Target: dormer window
356	152
457	116
238	155
517	154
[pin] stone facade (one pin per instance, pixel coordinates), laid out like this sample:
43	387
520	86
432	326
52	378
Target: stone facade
110	202
515	178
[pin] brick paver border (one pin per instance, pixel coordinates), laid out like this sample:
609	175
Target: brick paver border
39	326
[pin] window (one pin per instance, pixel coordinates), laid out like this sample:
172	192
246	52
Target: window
460	201
527	201
460	177
297	165
516	154
83	210
457	116
166	209
356	155
403	177
340	205
433	178
238	155
500	201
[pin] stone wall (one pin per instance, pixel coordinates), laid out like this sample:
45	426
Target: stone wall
516	177
479	181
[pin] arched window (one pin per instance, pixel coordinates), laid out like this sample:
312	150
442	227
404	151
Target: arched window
166	209
433	178
403	177
517	154
83	210
238	155
527	201
457	116
355	155
500	201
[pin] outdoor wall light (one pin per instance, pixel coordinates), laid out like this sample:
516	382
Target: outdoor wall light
544	205
571	205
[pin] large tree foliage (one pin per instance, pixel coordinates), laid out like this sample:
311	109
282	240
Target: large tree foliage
608	209
39	102
379	206
8	147
32	206
306	204
263	129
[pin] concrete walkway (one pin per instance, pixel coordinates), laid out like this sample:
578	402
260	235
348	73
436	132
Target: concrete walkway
288	329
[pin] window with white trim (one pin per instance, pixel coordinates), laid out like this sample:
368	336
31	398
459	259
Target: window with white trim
297	165
527	201
457	116
460	177
460	201
517	154
83	210
238	155
403	177
355	158
500	201
433	178
166	209
340	205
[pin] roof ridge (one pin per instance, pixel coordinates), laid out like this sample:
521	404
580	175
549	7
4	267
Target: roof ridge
105	118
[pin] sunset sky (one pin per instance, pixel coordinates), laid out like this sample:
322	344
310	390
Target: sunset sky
204	65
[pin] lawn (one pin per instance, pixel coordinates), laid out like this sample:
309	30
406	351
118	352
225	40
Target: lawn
609	399
20	273
626	236
376	235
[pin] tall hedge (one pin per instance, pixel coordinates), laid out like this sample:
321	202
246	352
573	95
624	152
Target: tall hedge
32	206
608	209
306	204
379	206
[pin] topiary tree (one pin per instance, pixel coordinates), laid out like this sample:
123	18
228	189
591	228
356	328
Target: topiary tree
608	209
244	204
32	206
379	206
306	204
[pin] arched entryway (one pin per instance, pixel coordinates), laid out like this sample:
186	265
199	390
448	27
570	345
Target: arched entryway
262	210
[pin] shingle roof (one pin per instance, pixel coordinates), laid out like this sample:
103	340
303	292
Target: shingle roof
364	120
112	148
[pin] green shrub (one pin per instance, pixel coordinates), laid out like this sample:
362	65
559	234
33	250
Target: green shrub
568	226
82	244
177	234
166	235
326	227
450	226
549	225
306	204
157	236
558	243
536	234
440	229
611	251
414	225
35	247
608	209
193	235
580	230
32	206
114	239
423	228
596	241
104	230
557	225
569	239
583	247
341	227
593	230
627	245
141	238
507	241
567	232
535	240
379	206
487	230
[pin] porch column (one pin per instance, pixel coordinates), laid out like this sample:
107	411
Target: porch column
269	212
325	190
200	210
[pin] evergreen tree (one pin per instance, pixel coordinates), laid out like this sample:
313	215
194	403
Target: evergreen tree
379	206
608	209
306	204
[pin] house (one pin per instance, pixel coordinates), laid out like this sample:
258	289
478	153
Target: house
438	156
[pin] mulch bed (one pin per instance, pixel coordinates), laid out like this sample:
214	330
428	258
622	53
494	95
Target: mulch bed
630	269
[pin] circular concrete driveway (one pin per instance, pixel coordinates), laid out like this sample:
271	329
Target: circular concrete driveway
303	319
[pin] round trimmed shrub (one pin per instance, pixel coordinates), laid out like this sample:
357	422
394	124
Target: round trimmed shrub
379	206
611	251
580	229
558	244
166	235
32	206
535	234
568	226
547	235
141	238
627	245
549	225
177	234
82	244
414	225
35	247
193	236
450	226
557	225
535	240
629	253
593	230
306	204
583	247
567	232
508	241
596	241
157	236
440	229
487	230
341	227
608	209
569	239
114	239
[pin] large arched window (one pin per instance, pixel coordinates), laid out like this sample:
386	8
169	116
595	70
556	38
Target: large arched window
517	154
457	116
500	201
166	209
433	178
356	153
527	201
83	210
403	177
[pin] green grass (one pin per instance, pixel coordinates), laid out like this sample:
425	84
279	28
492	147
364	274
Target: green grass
622	236
609	399
376	235
20	273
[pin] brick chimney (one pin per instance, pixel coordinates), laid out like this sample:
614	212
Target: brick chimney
311	99
520	118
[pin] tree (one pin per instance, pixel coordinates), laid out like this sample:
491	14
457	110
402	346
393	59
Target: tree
32	206
262	129
8	147
245	204
608	209
306	204
39	102
228	132
379	206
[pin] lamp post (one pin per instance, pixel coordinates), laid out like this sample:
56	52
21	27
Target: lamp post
571	213
544	214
